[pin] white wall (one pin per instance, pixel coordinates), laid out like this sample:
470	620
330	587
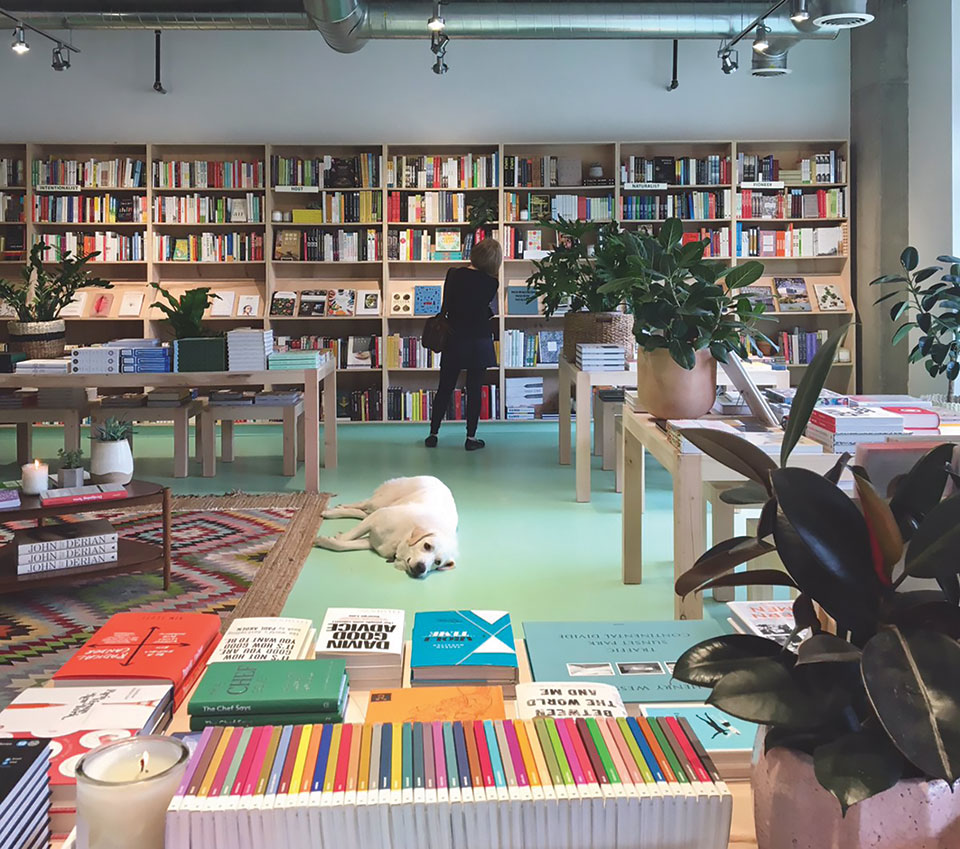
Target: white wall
291	87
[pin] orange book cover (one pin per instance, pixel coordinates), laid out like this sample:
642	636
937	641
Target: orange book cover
432	704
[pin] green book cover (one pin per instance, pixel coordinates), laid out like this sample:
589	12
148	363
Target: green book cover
198	723
600	743
675	764
272	686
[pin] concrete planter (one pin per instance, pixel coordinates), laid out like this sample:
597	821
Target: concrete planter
793	811
70	478
111	462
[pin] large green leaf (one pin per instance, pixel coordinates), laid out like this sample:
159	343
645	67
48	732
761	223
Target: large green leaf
744	274
768	516
835	472
827	648
735	453
751	578
808	392
671	231
748	493
912	683
857	766
934	549
721	558
921	489
707	662
909	258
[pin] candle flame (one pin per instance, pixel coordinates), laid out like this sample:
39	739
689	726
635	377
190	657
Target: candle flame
144	759
36	464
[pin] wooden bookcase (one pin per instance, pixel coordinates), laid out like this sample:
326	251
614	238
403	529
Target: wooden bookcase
278	192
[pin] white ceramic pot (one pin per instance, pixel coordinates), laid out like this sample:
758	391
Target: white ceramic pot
793	811
111	462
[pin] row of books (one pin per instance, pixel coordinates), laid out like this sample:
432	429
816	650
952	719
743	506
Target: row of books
360	405
711	170
338	207
470	171
11	208
326	172
208	174
351	352
126	173
109	246
533	207
13	172
596	356
792	203
409	352
202	209
826	167
68	546
522	242
11	245
89	209
427	208
687	205
522	349
543	171
314	245
800	242
404	405
334	303
717	238
210	247
413	245
798	346
534	783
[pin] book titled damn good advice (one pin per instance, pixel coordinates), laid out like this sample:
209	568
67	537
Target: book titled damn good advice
635	657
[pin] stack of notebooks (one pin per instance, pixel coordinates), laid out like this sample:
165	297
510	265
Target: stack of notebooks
173	397
25	793
600	357
278	398
841	429
17	399
50	548
61	398
248	349
142	355
127	401
524	395
526	784
43	367
229	398
273	692
369	640
463	647
103	360
295	359
258	638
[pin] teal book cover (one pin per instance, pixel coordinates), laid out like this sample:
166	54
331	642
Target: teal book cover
462	638
635	657
718	731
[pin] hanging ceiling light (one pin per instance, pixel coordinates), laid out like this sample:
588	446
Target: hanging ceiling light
436	23
799	12
440	67
760	41
19	45
729	61
61	58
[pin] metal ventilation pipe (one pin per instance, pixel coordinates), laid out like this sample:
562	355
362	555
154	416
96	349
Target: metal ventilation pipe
340	22
772	62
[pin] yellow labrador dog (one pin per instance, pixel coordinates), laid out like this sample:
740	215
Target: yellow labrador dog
409	521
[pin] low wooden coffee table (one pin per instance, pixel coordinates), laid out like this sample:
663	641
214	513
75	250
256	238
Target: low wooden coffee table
132	556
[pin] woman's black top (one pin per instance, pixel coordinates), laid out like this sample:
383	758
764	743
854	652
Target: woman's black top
467	295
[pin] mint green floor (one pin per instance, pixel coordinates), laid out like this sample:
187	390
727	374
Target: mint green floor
526	545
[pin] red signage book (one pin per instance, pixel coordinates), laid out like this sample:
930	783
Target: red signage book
144	648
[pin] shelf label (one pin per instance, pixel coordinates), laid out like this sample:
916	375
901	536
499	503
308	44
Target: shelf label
652	187
763	184
298	190
56	187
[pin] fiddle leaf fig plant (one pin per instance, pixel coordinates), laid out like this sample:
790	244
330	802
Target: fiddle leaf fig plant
879	700
185	314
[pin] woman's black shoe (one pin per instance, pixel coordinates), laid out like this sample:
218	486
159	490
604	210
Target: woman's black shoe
473	444
431	441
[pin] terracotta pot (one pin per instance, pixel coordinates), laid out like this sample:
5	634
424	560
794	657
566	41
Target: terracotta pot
111	462
668	391
793	811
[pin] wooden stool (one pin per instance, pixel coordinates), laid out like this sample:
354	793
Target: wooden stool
291	415
26	417
180	416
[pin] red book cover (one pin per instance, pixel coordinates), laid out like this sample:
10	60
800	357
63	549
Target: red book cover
915	418
143	648
53	500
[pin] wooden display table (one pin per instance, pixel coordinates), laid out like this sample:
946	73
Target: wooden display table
583	383
308	379
291	415
26	417
132	556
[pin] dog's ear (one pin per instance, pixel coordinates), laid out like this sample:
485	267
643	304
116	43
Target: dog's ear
416	534
450	564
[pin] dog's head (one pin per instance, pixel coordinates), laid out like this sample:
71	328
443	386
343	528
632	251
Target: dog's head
426	551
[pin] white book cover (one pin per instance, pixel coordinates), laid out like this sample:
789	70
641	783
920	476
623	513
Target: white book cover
771	619
563	699
248	306
75	308
222	306
130	305
263	638
350	632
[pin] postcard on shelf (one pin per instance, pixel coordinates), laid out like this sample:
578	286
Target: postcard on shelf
448	241
130	305
313	303
248	306
792	294
341	302
102	302
401	302
368	302
75	308
427	299
829	297
561	698
283	304
222	306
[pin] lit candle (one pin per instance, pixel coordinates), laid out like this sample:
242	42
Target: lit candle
36	478
123	790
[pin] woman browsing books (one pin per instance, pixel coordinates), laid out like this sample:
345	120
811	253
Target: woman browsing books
467	295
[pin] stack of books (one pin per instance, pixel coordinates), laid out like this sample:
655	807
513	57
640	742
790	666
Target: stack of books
17	399
43	366
9	498
83	494
50	548
369	640
471	784
257	638
248	349
675	428
25	793
841	429
463	647
127	400
145	360
229	398
95	361
61	398
524	395
274	692
295	359
173	397
771	619
278	398
599	357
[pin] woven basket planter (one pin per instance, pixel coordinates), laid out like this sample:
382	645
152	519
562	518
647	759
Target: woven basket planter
38	339
609	328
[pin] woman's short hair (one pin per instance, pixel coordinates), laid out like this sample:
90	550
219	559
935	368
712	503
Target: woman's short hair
486	256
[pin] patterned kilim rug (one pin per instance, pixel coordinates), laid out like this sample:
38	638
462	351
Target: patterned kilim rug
232	555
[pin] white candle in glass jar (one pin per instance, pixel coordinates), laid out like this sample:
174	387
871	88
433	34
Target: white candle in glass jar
123	790
35	478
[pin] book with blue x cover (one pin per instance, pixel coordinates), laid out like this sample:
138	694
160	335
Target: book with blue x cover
463	647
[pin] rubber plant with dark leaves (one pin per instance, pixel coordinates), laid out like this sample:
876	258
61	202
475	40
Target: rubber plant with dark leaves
879	700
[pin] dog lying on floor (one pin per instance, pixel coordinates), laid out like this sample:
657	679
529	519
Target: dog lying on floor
409	521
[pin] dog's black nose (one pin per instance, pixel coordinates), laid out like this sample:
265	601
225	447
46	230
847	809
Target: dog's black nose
418	570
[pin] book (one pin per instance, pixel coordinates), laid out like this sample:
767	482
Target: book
561	698
792	294
463	646
829	297
429	704
759	293
313	302
288	246
25	792
401	303
635	657
222	306
265	638
914	417
522	300
9	499
248	306
839	419
102	303
144	648
550	343
83	494
448	241
427	299
368	302
76	306
315	686
130	305
771	619
341	302
370	640
283	304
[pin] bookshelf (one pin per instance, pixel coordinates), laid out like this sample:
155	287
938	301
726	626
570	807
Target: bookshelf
290	218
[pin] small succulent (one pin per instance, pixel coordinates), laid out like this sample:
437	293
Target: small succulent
112	430
71	459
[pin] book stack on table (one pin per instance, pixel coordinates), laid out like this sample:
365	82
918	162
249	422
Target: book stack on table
51	548
841	428
600	357
174	397
369	640
278	398
296	359
61	398
17	399
25	793
248	349
229	398
99	360
43	366
145	356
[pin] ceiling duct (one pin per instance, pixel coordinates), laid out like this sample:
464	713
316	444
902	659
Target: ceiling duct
845	14
772	62
340	22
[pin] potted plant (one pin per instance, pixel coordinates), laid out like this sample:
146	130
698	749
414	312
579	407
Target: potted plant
111	460
571	277
195	348
933	310
39	297
862	725
687	315
70	473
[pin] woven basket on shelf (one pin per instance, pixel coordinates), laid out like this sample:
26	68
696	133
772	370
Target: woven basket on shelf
609	328
38	339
